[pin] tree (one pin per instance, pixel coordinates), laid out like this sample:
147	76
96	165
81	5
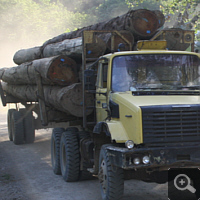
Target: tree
28	23
31	21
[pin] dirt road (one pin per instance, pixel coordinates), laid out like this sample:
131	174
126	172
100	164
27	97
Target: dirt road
26	174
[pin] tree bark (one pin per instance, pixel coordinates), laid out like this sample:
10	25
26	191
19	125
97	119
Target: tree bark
60	70
73	48
66	99
26	55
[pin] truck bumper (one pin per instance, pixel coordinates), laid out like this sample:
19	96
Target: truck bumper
162	158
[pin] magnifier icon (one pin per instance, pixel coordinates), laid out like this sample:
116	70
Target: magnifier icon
182	182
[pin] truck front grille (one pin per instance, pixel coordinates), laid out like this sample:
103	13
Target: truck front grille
171	125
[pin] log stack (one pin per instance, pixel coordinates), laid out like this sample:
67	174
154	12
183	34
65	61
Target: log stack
138	24
61	86
58	70
58	61
66	99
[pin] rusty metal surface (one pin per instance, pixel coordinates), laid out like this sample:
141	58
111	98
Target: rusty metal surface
160	158
177	39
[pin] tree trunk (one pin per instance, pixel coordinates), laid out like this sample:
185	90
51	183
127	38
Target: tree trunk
66	99
26	55
60	70
69	47
73	48
141	23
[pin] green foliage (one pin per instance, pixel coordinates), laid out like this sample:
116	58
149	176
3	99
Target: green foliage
110	9
39	20
151	4
30	21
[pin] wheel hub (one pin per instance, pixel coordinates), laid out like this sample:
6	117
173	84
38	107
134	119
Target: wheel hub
103	176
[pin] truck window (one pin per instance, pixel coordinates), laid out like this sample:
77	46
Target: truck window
102	75
105	72
155	71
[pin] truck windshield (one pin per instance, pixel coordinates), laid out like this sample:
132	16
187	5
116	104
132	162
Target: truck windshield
155	72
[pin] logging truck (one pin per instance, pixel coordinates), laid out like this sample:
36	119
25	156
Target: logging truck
145	116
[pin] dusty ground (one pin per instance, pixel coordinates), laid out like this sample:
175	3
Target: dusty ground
26	174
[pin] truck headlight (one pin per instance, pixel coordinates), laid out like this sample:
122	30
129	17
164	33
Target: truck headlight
136	161
146	160
129	144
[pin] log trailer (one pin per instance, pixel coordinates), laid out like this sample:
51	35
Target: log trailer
146	117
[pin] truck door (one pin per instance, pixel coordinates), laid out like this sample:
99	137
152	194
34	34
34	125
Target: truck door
101	91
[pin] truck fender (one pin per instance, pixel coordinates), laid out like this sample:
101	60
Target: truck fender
101	127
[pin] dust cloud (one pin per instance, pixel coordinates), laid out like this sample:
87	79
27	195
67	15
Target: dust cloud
20	32
29	24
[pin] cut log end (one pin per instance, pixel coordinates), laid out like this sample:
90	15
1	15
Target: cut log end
63	71
144	22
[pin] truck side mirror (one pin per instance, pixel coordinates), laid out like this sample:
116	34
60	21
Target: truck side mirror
90	79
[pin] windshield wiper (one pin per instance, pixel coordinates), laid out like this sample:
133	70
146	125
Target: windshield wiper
147	88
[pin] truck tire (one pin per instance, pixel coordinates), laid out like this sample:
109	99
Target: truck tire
55	149
69	156
85	174
111	178
17	128
29	129
9	115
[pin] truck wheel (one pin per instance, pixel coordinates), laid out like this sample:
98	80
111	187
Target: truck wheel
9	115
85	174
29	129
55	149
17	128
69	156
111	178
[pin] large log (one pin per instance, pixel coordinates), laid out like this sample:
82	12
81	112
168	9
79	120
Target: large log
60	70
26	55
68	47
141	23
67	99
73	48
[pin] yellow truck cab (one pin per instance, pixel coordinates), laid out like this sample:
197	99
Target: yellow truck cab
148	116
